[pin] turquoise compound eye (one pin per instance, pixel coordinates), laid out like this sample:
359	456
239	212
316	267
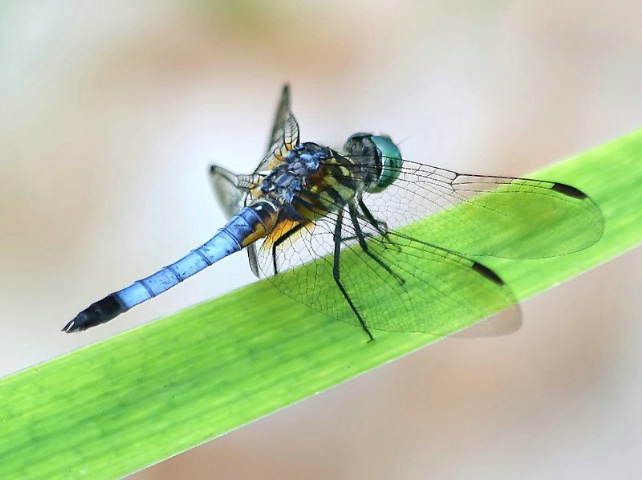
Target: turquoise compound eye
391	162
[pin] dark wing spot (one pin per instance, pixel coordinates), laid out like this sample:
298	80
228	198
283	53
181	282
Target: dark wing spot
569	191
488	273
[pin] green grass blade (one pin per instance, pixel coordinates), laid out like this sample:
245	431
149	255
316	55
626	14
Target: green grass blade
142	396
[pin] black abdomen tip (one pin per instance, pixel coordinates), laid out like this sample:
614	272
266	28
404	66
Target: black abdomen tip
99	312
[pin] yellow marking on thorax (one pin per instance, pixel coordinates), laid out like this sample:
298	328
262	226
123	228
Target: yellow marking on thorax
326	179
281	229
256	192
279	155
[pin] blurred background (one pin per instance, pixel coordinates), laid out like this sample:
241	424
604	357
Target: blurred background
111	113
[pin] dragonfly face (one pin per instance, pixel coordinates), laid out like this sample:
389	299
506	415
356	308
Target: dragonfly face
383	154
341	216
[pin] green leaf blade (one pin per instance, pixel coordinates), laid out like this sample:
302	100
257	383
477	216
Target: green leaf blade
135	399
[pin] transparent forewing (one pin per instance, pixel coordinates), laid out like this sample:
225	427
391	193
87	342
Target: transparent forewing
284	136
399	284
282	112
498	216
230	190
232	193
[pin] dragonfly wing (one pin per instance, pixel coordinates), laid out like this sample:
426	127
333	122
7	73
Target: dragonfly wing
232	190
284	135
399	284
280	118
232	193
252	258
228	189
504	217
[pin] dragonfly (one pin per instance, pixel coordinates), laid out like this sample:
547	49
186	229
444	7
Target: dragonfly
345	233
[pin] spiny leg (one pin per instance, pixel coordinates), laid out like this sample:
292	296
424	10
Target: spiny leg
364	245
336	273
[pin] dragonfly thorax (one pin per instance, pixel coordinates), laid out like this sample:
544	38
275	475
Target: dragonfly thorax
295	173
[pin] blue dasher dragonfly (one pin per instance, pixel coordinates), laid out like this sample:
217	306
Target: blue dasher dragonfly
350	221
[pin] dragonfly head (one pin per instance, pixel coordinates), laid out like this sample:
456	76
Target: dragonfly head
383	152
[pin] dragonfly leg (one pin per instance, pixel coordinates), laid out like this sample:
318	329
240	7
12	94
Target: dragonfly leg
336	273
282	239
364	245
372	220
354	237
377	224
